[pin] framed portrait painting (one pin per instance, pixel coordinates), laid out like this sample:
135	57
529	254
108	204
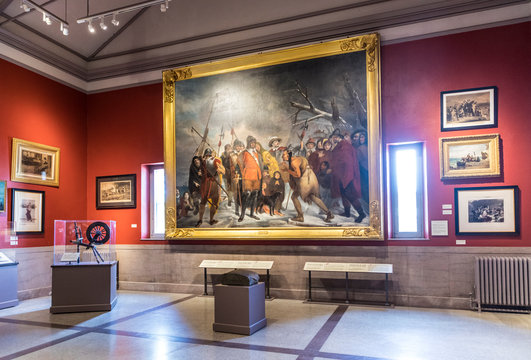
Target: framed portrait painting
27	211
3	195
487	210
276	145
34	163
470	156
469	109
116	192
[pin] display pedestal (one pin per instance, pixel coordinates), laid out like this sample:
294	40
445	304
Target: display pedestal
83	287
239	309
9	284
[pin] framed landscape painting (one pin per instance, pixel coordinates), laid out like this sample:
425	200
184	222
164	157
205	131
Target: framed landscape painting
469	109
34	163
470	156
487	210
27	211
278	145
116	192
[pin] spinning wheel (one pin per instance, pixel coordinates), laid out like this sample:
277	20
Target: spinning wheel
98	233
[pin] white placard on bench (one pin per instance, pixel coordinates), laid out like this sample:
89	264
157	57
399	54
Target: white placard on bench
349	267
237	264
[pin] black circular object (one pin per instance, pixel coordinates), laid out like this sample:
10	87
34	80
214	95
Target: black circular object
98	233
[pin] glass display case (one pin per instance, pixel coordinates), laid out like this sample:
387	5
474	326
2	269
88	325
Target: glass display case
7	251
84	242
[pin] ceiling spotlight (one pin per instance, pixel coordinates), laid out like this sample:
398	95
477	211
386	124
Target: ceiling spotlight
25	7
64	29
114	21
46	19
102	25
91	27
164	6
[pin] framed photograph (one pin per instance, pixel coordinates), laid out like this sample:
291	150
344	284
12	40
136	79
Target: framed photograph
469	109
3	195
116	192
281	145
34	163
464	157
487	210
27	211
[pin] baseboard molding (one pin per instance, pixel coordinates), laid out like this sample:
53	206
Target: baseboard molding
34	293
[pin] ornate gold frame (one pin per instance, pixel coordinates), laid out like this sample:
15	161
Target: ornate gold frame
494	156
368	43
16	159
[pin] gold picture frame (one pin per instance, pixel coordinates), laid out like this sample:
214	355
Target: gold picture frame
464	157
34	163
184	88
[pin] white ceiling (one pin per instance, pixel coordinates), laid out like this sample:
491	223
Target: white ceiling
148	41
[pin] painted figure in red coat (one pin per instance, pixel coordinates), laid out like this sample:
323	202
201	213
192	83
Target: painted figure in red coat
346	177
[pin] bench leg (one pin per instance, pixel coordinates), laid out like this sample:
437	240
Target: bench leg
205	282
309	286
346	288
386	289
268	281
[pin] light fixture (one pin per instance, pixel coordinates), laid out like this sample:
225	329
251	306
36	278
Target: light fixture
102	24
114	21
88	19
47	17
91	27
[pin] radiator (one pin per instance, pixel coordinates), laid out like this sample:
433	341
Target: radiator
503	283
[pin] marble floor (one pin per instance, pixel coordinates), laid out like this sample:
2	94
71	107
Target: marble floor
146	325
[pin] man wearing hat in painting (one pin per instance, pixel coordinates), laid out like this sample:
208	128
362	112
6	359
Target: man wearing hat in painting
275	149
251	165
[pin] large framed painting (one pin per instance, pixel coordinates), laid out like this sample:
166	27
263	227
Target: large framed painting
470	156
34	163
116	192
277	145
27	211
469	109
487	210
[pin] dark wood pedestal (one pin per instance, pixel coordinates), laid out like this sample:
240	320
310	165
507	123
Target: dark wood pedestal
239	309
83	287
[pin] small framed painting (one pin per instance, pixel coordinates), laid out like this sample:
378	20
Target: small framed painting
487	210
27	211
3	197
469	109
116	192
470	156
34	163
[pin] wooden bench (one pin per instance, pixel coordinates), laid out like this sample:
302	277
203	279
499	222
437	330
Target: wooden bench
237	264
349	268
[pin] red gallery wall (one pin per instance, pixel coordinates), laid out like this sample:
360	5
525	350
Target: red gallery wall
115	132
125	126
38	109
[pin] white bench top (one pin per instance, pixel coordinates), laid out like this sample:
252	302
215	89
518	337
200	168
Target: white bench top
236	264
349	267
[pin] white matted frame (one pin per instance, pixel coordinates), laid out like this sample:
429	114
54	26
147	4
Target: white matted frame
27	211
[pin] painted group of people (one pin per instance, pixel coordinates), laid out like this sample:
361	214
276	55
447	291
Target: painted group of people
253	178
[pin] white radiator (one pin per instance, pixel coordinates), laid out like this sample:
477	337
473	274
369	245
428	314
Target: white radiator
503	283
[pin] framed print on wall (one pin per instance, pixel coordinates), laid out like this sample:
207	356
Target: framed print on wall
463	157
27	211
116	192
34	163
250	144
487	210
469	109
3	195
